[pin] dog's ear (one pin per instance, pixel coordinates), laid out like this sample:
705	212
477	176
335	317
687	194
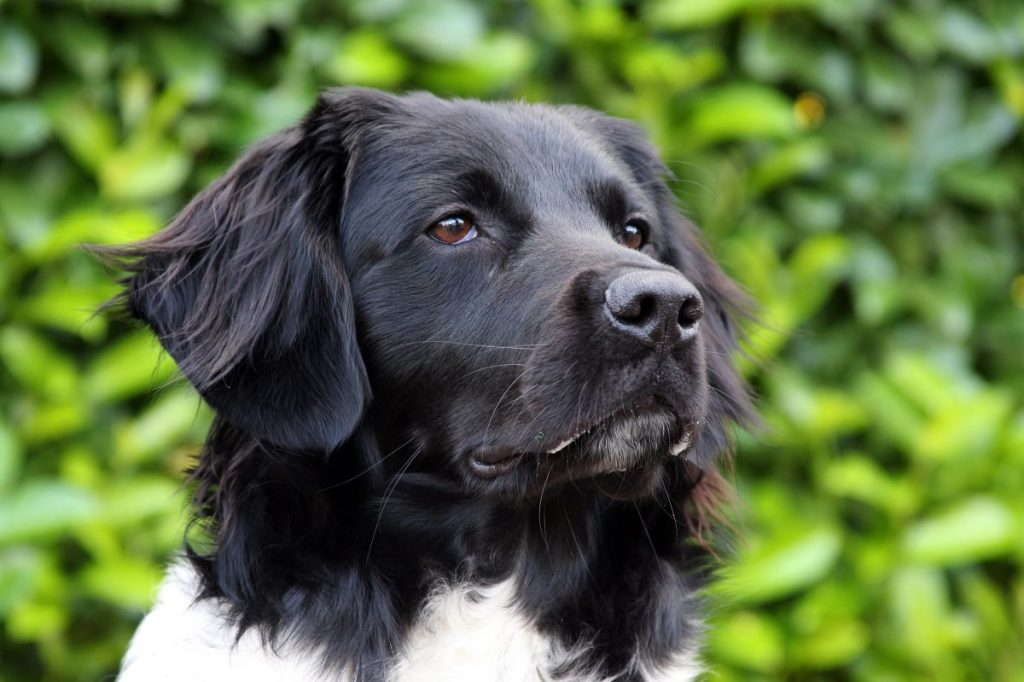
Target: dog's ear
725	303
245	287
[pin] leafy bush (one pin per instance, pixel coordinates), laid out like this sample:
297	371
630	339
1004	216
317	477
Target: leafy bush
855	163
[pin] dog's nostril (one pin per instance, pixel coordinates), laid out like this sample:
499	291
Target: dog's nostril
637	311
690	311
654	306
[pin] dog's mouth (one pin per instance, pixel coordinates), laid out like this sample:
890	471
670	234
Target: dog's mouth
616	442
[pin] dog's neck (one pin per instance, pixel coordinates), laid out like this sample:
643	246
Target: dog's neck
585	570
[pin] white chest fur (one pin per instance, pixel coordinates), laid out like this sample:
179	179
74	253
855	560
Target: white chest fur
462	634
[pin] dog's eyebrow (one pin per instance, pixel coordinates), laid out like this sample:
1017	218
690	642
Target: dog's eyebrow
611	199
483	189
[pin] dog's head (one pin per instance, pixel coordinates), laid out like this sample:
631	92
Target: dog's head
505	290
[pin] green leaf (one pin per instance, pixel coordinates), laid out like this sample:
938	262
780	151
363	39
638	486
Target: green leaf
125	581
687	14
815	412
11	457
859	478
19	568
23	127
42	509
967	430
19	58
36	364
94	225
133	365
88	132
368	11
988	187
662	65
749	640
500	60
70	307
791	160
975	529
366	58
917	33
129	502
162	425
445	30
195	66
165	7
742	111
888	83
926	383
967	36
83	45
697	13
876	290
895	417
254	17
816	267
834	645
31	621
146	170
982	595
47	422
920	614
813	211
782	566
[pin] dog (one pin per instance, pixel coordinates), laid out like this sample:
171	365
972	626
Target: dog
472	373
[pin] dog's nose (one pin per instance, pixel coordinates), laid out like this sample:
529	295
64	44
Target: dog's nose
654	306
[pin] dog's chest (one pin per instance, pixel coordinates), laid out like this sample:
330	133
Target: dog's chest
475	634
462	633
468	633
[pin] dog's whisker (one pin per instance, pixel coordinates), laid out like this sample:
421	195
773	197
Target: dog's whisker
579	402
367	469
542	515
388	492
508	364
579	548
643	526
529	427
671	507
487	428
468	345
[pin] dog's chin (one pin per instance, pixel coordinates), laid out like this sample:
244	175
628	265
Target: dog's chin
622	455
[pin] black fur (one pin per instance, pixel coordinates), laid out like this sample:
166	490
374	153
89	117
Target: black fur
356	366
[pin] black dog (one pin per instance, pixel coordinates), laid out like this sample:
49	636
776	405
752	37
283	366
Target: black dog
471	370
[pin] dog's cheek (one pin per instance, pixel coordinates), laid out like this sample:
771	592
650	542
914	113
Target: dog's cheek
443	350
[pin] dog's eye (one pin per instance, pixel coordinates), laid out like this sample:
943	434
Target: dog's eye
456	229
634	234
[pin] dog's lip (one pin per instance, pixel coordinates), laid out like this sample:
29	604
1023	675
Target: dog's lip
493	460
636	407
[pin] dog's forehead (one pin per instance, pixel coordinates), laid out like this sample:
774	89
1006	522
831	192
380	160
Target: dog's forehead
531	148
544	163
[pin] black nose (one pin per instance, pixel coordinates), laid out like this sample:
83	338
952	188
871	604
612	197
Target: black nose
654	306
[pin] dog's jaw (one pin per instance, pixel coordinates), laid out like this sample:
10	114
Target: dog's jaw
634	441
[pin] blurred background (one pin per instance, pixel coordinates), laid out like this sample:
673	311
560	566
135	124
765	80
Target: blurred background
856	164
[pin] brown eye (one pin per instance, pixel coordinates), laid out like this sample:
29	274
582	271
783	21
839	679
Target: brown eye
634	234
456	229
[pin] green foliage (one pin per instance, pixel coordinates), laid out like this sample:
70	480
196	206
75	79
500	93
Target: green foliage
856	164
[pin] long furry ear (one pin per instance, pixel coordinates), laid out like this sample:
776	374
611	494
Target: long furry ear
246	290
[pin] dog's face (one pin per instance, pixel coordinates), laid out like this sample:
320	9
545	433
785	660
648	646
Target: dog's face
504	291
520	306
